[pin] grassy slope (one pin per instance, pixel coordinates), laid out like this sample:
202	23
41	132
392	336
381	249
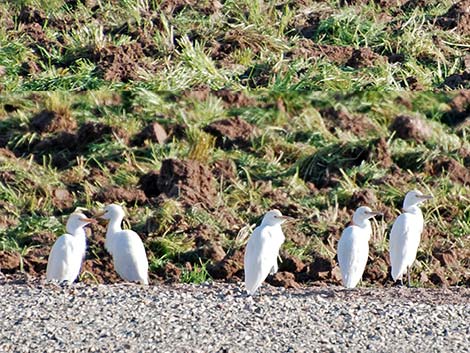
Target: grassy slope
253	48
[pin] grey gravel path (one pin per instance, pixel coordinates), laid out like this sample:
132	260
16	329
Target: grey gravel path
39	317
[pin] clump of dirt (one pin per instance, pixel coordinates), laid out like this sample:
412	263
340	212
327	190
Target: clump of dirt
381	3
173	7
230	133
92	132
229	267
307	49
376	271
348	56
306	24
458	18
114	194
153	132
412	83
29	67
189	181
121	63
283	279
233	98
224	169
170	273
410	128
363	57
459	109
364	197
290	263
30	15
51	121
456	81
359	125
9	262
396	58
320	269
449	166
62	199
99	270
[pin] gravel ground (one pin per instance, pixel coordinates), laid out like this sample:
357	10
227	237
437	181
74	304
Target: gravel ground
39	317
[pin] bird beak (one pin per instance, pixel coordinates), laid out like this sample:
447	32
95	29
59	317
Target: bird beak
286	218
373	214
425	197
89	220
100	214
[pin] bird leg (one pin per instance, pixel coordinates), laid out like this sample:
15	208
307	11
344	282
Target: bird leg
409	276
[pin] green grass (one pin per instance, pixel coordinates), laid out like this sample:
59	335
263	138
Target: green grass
247	47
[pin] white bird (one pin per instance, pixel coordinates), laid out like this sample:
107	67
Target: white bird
126	247
406	235
67	253
262	250
353	247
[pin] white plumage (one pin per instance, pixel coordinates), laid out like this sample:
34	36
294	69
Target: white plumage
262	250
353	247
67	253
405	235
126	248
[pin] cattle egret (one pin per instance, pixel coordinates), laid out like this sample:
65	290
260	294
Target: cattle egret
67	253
406	235
262	250
353	247
126	247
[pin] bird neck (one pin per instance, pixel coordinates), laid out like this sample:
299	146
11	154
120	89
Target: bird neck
413	210
114	225
362	223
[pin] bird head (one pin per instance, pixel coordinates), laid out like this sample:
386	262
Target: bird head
362	214
113	211
77	220
274	217
414	198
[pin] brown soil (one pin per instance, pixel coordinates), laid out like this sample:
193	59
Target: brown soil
348	56
445	165
153	132
458	18
225	170
115	194
459	109
230	266
233	98
320	269
9	262
363	57
359	125
456	81
290	263
410	128
382	3
121	63
189	181
62	199
231	133
283	279
307	49
364	197
92	132
51	121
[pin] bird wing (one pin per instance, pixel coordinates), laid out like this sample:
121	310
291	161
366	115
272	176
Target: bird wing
63	264
260	256
353	251
404	241
130	259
